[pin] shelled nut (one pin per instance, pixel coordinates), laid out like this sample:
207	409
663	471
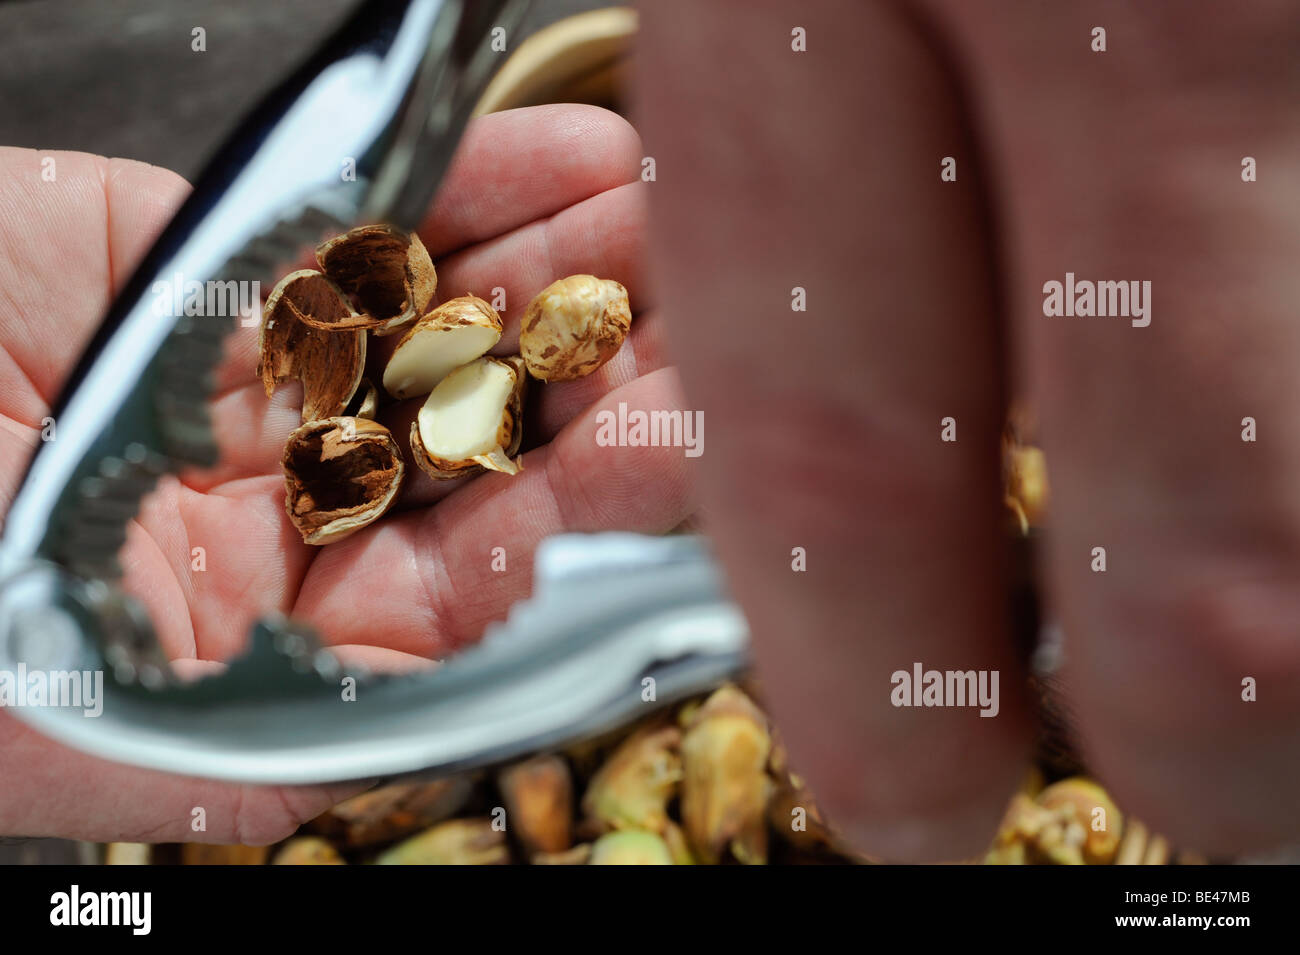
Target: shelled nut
308	850
453	334
630	847
725	787
455	842
632	789
472	421
1086	809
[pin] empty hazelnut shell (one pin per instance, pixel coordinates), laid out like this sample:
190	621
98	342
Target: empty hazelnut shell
340	474
329	364
386	271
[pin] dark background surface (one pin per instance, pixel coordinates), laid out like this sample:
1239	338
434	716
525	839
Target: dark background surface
119	78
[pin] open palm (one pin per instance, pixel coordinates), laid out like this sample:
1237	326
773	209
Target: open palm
534	195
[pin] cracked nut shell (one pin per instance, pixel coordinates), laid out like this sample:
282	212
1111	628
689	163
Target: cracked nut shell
329	364
340	474
386	271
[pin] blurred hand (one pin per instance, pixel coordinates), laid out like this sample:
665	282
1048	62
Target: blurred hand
821	169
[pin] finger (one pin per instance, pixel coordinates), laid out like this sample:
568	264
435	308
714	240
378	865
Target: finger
149	559
17	442
207	566
141	201
583	215
428	583
352	658
825	427
380	660
602	236
1143	426
69	242
250	431
558	403
513	168
523	165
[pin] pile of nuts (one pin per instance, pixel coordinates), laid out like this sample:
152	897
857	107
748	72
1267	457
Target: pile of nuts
342	468
708	783
1075	822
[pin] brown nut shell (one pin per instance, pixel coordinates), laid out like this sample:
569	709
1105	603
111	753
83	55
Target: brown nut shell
394	811
574	326
329	364
198	853
365	402
538	794
340	474
386	271
792	811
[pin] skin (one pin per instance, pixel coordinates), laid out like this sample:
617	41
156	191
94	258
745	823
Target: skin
821	170
924	302
413	588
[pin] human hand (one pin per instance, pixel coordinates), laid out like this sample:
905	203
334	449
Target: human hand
821	169
533	195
